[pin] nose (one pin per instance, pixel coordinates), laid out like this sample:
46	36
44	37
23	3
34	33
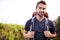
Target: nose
41	10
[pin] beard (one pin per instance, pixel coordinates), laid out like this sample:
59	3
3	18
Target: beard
41	14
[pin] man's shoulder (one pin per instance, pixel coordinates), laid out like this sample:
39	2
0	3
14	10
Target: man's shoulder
50	22
30	20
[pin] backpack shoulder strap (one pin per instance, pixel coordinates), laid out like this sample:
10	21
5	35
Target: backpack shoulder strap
32	25
46	24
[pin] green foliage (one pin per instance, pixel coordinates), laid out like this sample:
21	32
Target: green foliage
57	24
11	32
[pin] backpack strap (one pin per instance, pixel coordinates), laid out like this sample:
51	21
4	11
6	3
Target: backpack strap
32	25
46	24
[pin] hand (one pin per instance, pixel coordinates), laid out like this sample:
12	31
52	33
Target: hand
25	33
47	33
30	34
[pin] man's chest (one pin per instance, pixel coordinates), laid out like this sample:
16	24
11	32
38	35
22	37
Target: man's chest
39	26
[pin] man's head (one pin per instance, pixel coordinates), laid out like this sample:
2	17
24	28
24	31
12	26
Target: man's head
40	8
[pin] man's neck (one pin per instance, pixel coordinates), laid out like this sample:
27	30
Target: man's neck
40	18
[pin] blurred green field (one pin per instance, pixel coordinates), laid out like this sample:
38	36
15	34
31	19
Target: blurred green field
11	32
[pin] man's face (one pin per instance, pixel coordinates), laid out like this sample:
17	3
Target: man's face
41	9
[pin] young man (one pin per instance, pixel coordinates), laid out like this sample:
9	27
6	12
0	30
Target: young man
39	29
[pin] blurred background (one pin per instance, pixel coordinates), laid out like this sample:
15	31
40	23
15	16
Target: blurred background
15	13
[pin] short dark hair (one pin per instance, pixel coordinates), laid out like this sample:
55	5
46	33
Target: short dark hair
43	2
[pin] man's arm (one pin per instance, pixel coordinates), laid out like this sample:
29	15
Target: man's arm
27	33
49	34
53	35
52	31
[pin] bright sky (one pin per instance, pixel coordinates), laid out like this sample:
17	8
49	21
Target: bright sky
19	11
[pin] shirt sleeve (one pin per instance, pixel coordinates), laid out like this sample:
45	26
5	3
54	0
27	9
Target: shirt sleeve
52	27
27	25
